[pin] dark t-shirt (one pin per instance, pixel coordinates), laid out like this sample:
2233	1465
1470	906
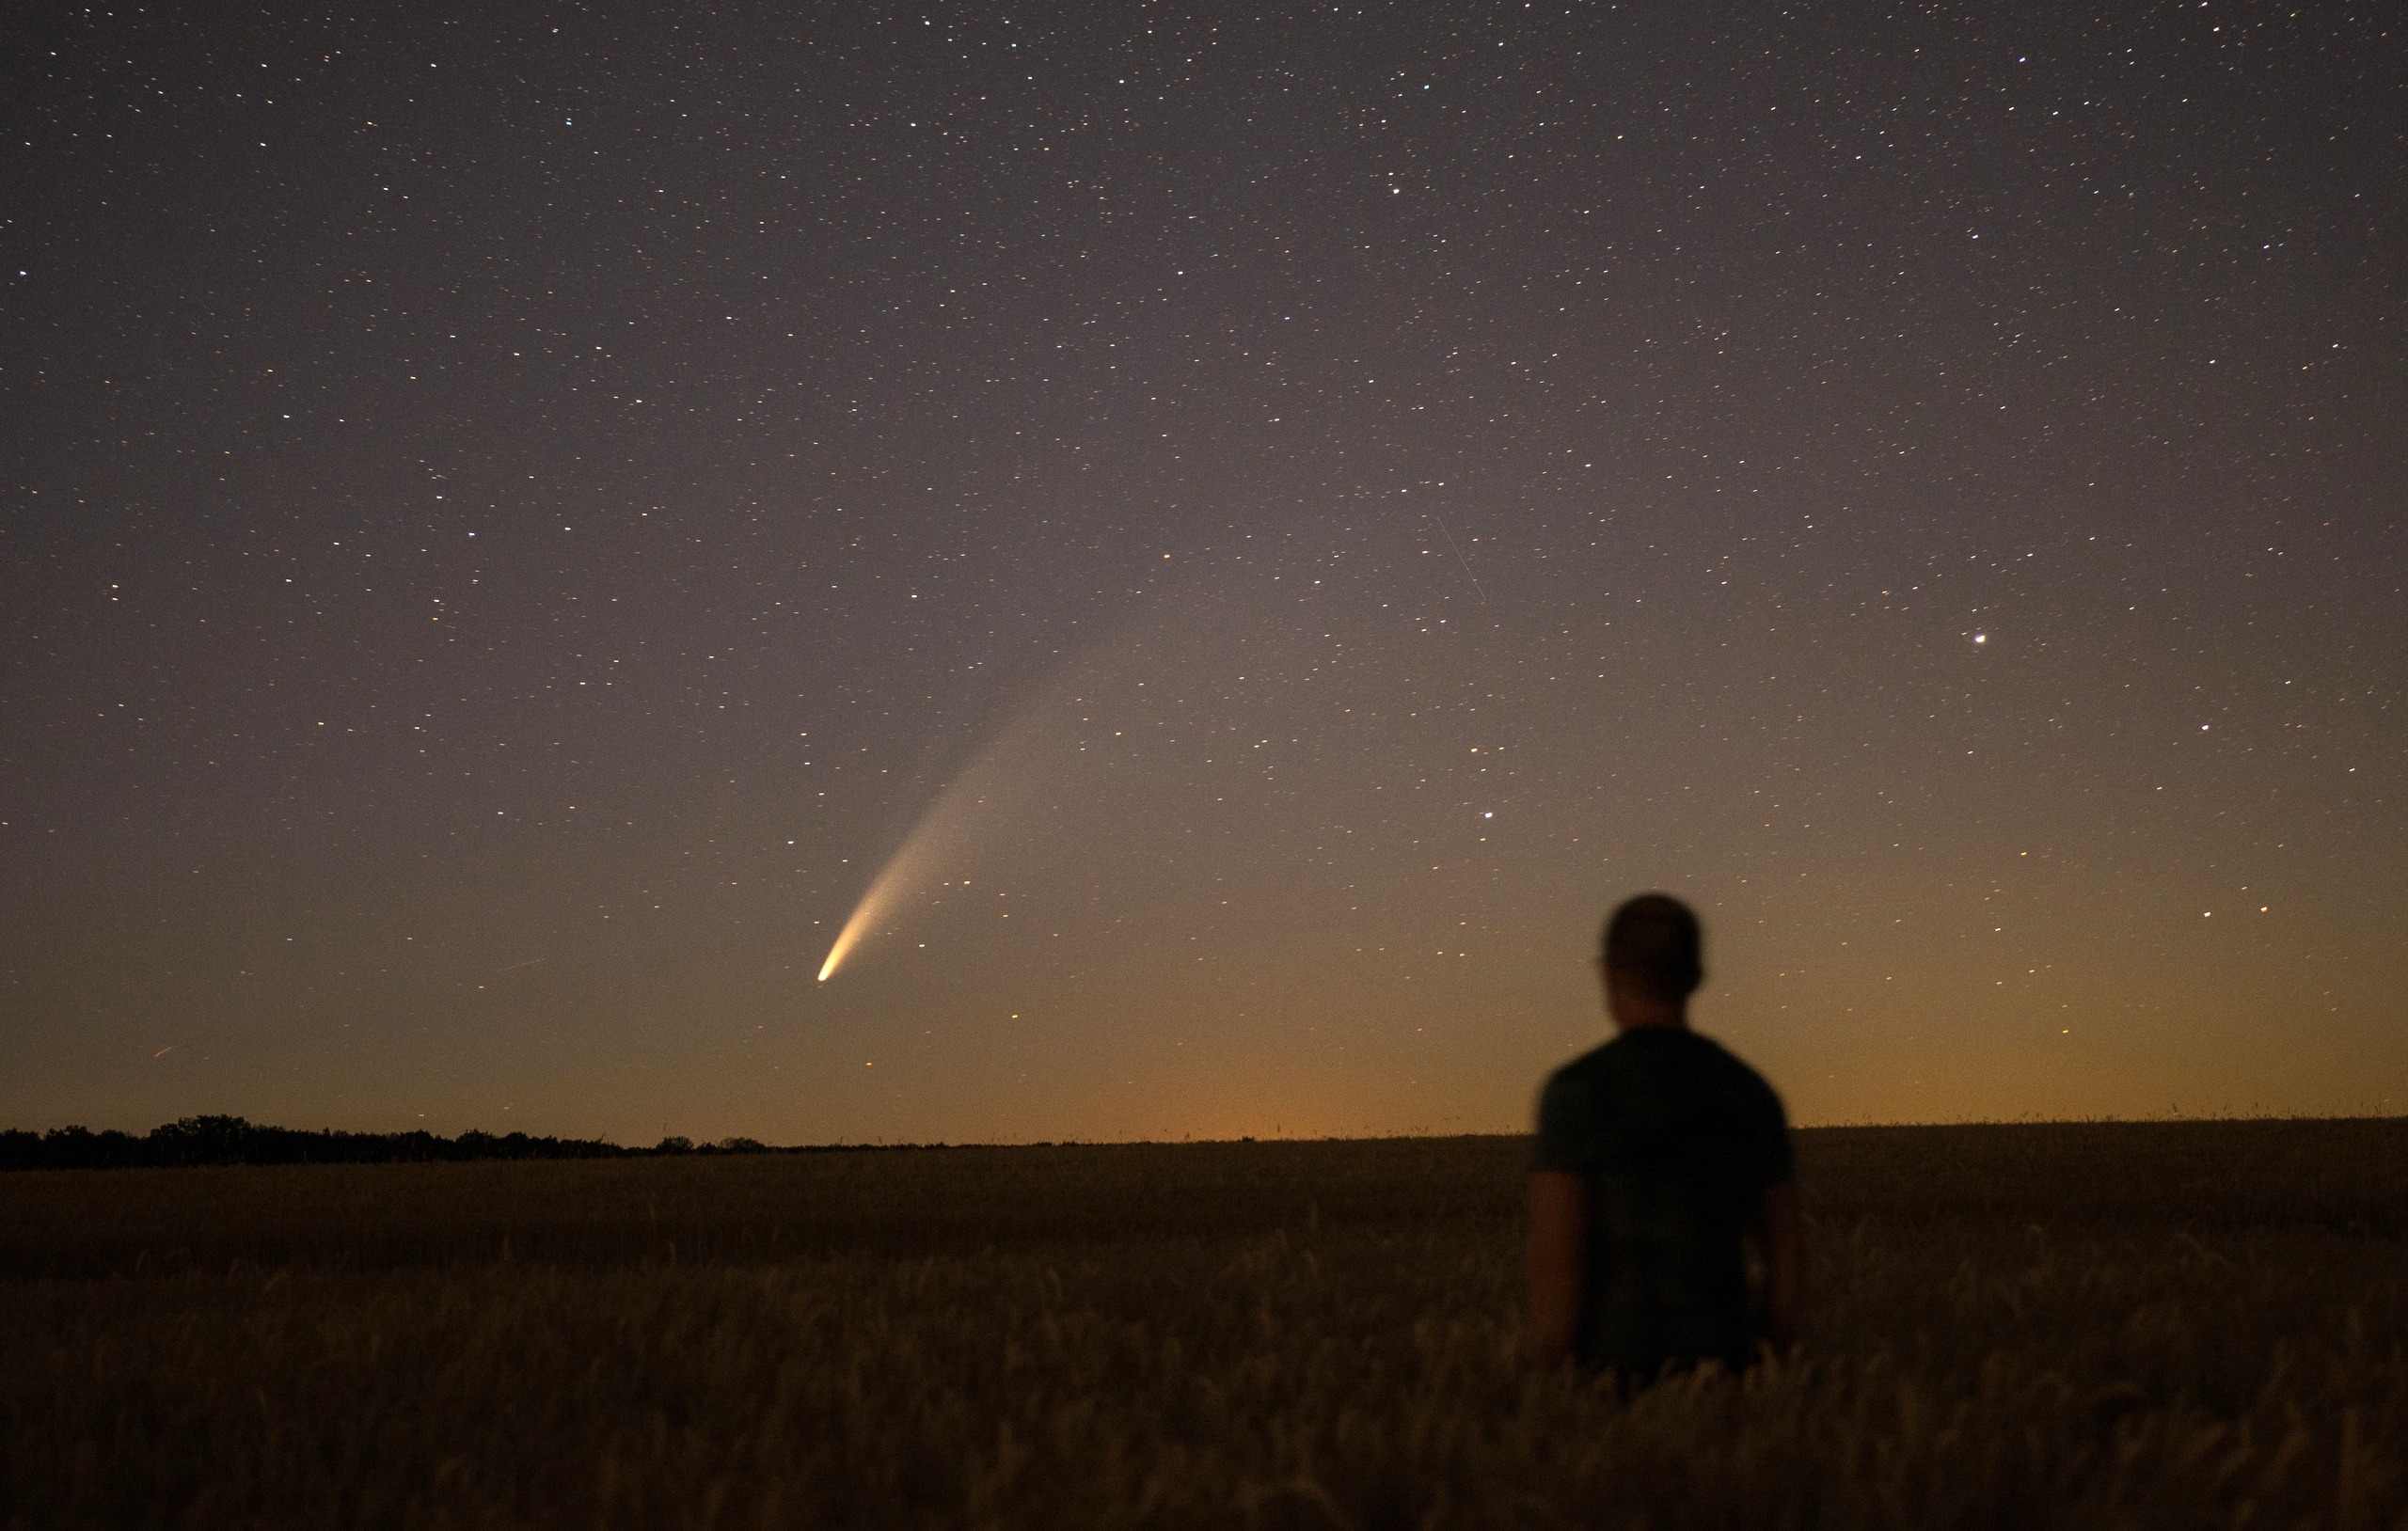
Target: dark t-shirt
1677	1140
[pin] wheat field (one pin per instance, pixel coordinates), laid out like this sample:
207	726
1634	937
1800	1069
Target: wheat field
2175	1324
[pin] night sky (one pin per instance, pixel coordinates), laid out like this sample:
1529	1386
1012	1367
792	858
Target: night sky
1269	522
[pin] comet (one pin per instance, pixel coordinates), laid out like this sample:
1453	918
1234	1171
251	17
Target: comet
945	833
890	882
999	787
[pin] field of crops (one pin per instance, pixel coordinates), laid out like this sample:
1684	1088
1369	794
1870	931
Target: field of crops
2166	1324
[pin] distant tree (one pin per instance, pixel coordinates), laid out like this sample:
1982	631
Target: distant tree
200	1140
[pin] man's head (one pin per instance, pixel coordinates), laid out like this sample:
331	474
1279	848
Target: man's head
1652	957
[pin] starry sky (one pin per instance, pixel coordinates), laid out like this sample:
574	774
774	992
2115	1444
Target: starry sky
1268	522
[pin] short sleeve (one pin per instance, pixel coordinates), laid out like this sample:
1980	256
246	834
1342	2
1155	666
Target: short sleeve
1567	1135
1774	1164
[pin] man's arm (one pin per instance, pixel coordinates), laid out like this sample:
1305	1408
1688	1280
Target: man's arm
1558	1248
1781	1238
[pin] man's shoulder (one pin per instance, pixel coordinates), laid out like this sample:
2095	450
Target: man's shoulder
1738	1076
1572	1086
1569	1104
1585	1065
1750	1103
1728	1061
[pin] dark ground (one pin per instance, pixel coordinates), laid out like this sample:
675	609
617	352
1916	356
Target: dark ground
2176	1324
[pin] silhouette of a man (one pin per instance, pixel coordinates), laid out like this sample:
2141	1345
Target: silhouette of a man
1660	1156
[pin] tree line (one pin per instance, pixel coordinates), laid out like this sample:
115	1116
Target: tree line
232	1140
